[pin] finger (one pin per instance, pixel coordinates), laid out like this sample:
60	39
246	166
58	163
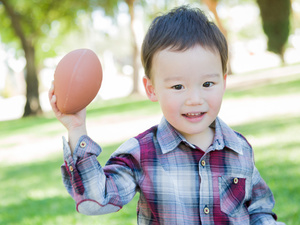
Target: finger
51	91
53	104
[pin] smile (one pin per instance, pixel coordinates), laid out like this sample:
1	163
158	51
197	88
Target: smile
193	115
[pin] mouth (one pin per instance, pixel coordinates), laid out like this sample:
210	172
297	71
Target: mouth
194	115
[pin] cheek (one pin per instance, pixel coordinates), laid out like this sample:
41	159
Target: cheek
169	104
215	101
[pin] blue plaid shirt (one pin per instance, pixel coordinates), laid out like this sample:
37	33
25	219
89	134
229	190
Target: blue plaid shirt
178	182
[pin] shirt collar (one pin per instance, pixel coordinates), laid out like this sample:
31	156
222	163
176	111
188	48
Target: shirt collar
168	138
226	137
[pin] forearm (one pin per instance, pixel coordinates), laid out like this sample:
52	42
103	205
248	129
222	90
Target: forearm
264	219
92	199
95	189
74	136
262	202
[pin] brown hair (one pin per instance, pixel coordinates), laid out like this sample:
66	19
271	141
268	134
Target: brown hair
181	29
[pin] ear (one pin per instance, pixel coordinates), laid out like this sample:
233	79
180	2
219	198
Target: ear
225	80
149	88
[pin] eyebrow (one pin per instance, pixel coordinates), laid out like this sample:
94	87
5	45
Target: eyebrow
211	75
178	78
172	78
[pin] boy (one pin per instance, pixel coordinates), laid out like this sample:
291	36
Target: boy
191	168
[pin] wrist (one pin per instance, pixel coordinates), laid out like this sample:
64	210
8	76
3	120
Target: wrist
75	134
76	130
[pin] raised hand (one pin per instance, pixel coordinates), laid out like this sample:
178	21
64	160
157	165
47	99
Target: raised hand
74	123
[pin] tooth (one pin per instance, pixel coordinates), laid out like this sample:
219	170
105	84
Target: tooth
194	114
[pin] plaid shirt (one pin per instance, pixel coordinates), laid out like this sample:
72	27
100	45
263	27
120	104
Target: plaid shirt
178	182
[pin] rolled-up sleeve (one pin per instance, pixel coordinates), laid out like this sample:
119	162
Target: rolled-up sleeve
97	190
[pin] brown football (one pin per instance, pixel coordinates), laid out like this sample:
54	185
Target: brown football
77	80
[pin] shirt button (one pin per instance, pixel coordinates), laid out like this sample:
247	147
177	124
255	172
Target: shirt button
82	144
71	168
203	163
235	180
206	210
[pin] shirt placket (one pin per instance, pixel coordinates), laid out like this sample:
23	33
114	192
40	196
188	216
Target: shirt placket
206	203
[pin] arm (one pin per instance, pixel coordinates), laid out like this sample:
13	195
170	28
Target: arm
262	202
96	190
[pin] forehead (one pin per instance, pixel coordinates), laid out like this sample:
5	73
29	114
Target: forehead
195	60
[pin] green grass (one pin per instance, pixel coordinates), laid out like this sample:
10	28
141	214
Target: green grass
268	88
33	193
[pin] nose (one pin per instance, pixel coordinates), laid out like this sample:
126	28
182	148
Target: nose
194	97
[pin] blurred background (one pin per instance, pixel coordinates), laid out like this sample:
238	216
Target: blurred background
262	100
35	35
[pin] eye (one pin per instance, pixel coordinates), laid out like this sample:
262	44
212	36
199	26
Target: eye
208	84
177	87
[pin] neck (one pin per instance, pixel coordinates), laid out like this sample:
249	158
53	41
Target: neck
202	140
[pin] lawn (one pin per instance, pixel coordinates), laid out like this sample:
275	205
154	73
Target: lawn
33	193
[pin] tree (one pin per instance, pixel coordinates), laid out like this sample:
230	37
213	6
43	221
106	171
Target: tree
212	6
111	9
276	23
135	48
26	25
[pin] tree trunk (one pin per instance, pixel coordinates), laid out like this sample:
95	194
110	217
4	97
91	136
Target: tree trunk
212	6
32	106
135	49
275	17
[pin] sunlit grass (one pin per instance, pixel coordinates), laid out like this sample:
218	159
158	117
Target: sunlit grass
280	86
34	194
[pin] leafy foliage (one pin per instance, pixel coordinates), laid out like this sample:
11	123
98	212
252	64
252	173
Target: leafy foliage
41	21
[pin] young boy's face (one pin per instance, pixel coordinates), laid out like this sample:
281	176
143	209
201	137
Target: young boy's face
189	85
